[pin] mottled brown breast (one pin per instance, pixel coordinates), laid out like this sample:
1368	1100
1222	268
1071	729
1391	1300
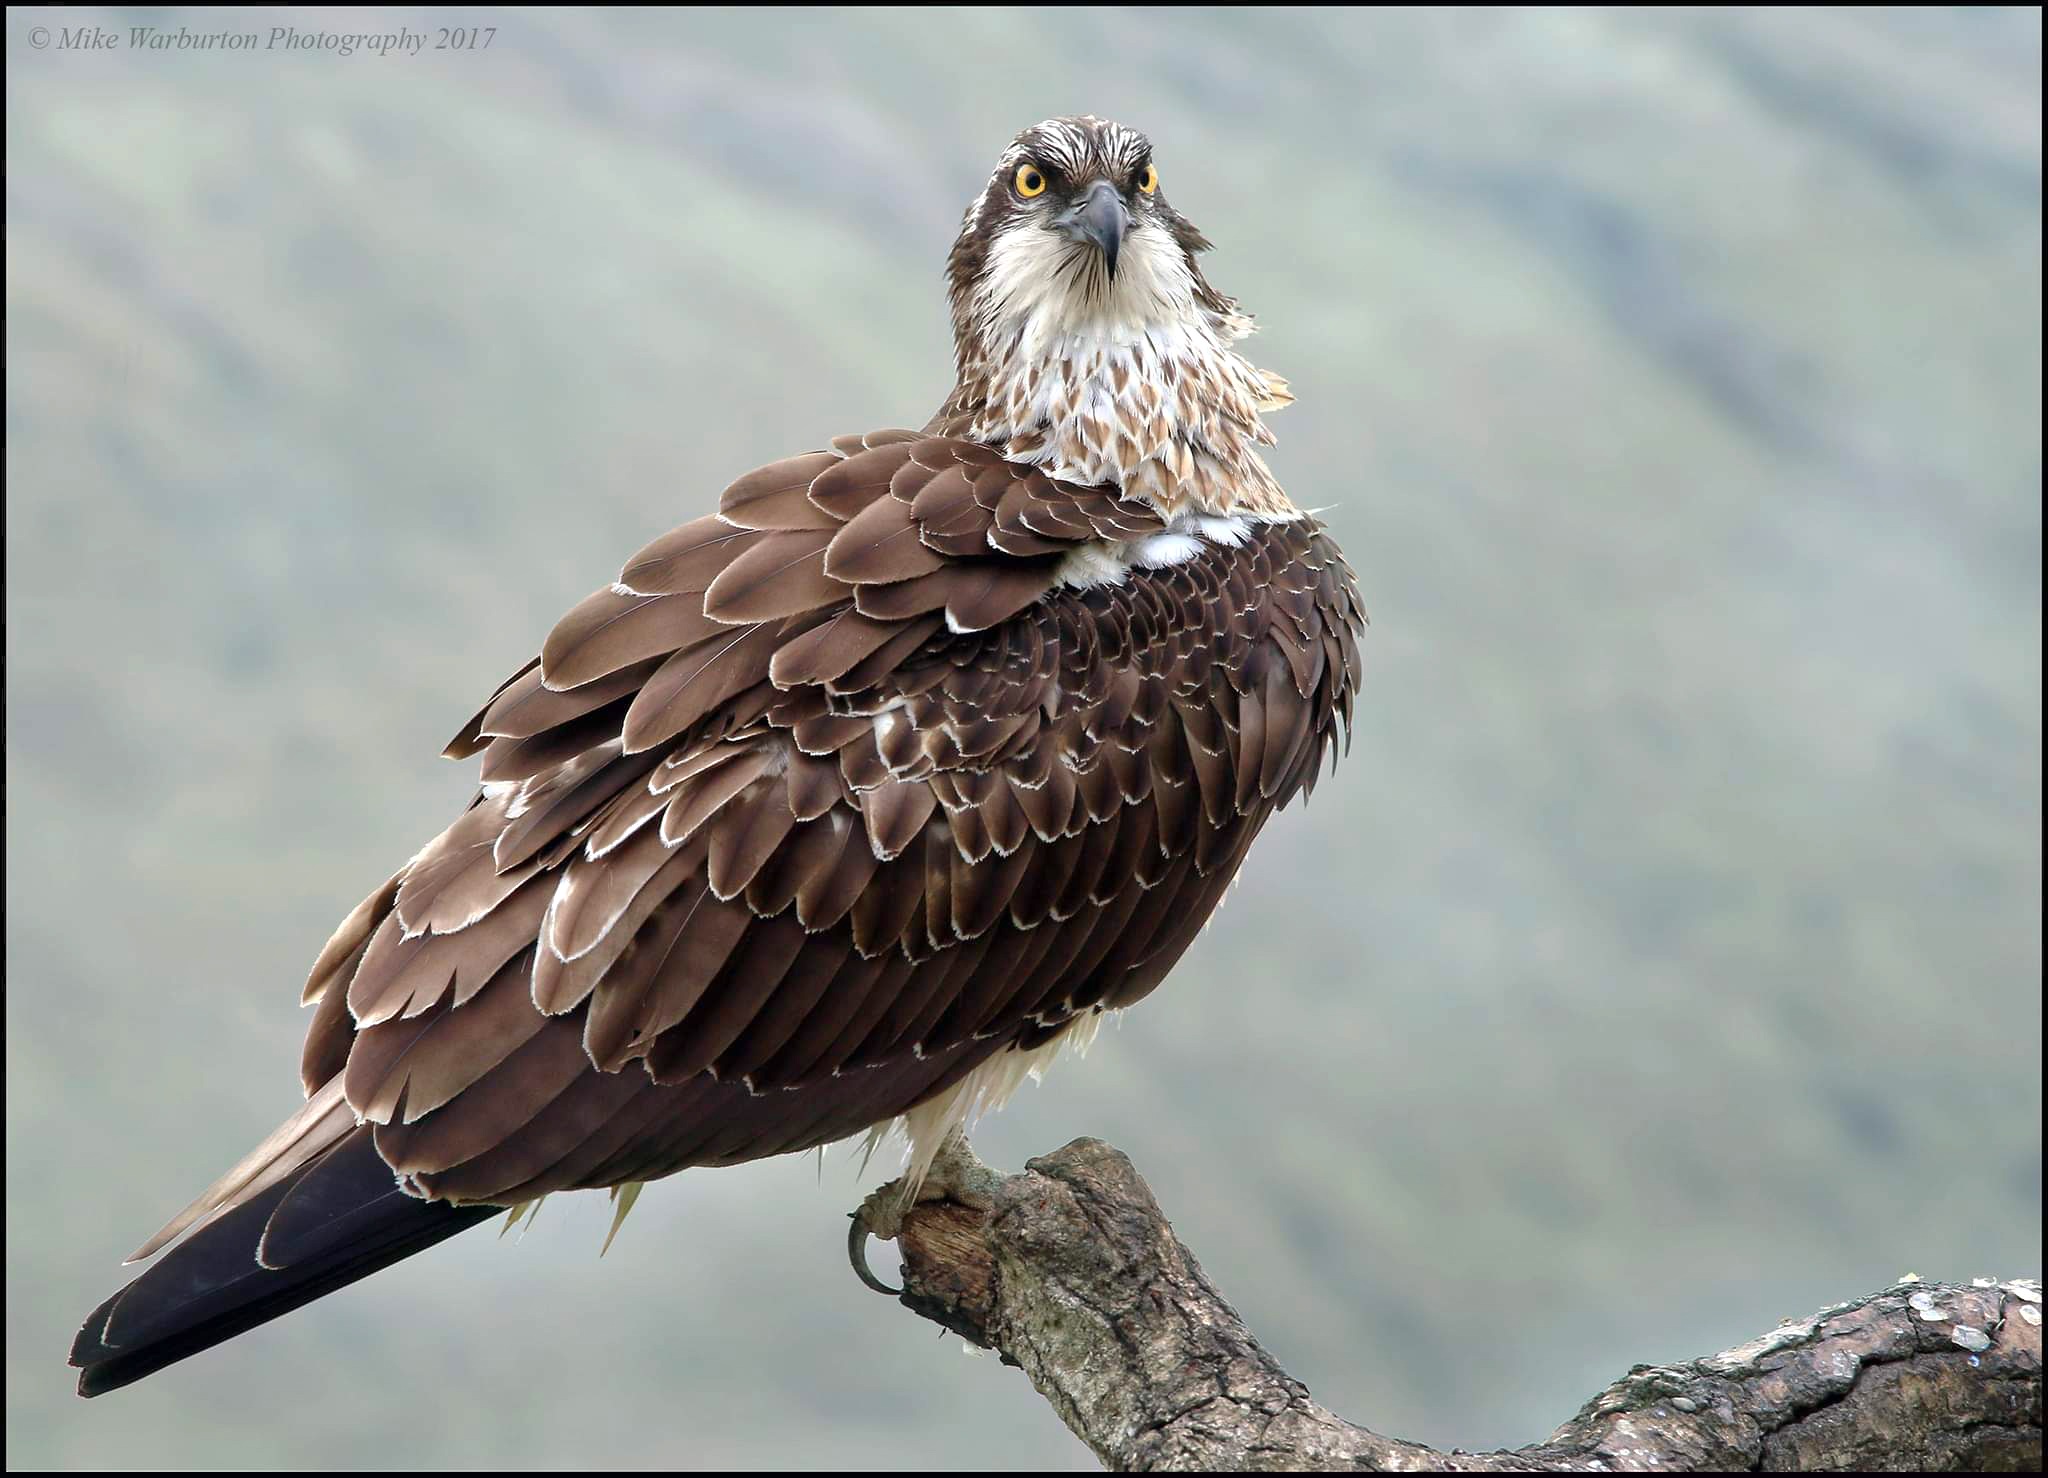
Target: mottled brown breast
832	797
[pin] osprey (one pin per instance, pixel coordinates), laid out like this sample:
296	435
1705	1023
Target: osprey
842	808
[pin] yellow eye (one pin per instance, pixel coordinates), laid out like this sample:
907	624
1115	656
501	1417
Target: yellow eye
1030	180
1149	180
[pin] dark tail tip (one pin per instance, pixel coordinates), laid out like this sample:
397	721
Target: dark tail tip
340	1219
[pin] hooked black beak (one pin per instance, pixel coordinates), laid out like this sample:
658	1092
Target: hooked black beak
1101	218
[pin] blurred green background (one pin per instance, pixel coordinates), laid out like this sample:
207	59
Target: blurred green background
1665	959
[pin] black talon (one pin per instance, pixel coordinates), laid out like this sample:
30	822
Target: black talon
857	1254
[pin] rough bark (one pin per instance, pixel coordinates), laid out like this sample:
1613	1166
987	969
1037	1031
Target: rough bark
1075	1276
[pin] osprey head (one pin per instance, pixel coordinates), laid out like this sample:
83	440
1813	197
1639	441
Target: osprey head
1086	338
1073	230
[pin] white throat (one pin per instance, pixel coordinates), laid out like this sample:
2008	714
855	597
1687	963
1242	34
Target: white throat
1132	382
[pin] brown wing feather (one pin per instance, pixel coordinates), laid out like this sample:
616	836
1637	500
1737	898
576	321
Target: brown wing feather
781	574
613	629
831	798
778	496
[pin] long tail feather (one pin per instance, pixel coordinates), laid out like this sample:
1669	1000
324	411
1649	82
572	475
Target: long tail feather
311	1132
340	1218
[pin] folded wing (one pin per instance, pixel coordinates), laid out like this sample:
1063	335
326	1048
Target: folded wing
829	800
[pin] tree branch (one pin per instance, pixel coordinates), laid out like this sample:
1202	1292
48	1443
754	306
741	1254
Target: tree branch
1076	1277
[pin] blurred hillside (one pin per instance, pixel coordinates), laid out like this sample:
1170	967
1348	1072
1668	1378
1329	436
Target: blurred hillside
1671	378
